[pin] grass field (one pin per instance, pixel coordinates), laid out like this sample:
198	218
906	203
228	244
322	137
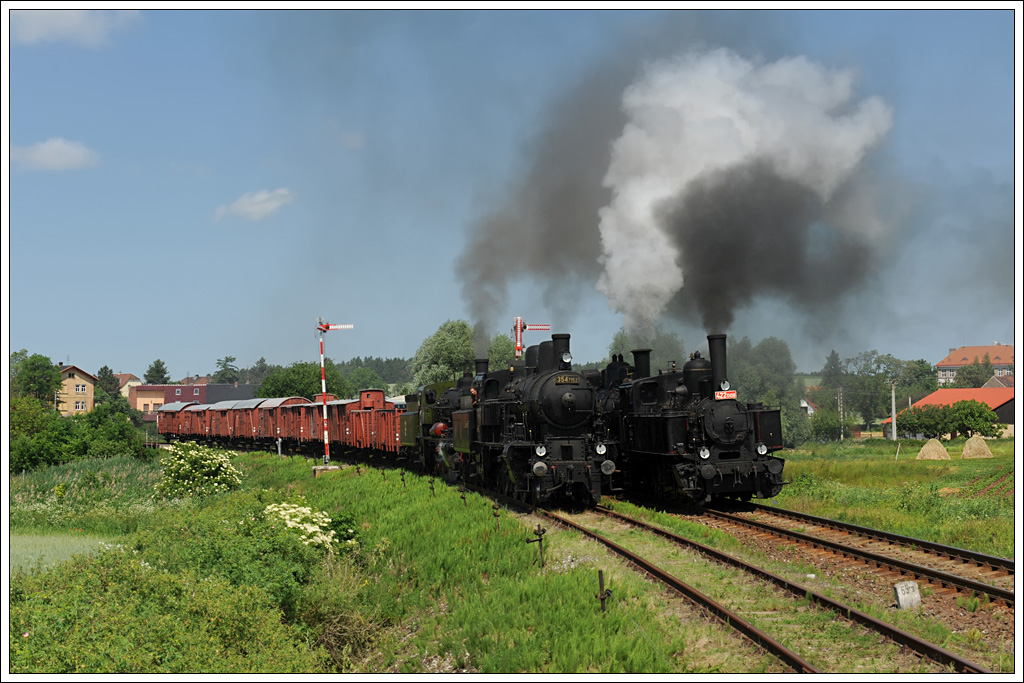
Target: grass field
961	502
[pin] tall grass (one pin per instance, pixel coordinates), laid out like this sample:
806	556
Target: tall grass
103	497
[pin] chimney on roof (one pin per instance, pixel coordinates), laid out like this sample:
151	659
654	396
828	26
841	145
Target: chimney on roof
60	364
951	351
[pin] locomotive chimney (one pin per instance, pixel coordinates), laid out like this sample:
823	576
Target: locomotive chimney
560	347
481	366
716	346
642	362
546	357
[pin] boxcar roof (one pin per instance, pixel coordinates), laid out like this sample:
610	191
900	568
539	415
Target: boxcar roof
224	405
275	402
174	407
247	403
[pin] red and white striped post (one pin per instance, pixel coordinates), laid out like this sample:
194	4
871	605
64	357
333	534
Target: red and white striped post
517	333
322	326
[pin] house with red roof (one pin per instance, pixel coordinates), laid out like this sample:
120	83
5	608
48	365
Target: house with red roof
998	399
125	381
1000	355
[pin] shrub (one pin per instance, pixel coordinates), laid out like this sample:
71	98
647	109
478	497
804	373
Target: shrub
194	470
235	537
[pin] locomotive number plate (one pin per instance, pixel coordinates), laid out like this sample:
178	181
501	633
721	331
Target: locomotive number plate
567	379
722	395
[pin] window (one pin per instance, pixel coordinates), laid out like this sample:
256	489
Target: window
145	407
177	392
195	392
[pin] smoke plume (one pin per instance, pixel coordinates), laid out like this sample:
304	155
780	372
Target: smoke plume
734	179
686	189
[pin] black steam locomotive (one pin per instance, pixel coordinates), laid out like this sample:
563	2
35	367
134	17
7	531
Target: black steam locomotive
532	431
686	435
541	432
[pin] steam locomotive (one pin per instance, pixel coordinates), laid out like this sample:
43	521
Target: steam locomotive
532	431
537	430
685	435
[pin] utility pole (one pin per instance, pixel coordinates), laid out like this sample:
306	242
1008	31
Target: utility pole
322	326
841	421
893	385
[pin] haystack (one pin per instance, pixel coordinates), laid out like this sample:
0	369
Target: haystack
976	447
933	450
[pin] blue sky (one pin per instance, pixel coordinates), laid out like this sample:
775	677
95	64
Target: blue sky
224	178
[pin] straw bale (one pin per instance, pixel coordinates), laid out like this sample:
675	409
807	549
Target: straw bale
933	450
976	447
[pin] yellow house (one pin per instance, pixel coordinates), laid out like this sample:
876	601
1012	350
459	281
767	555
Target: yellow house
77	388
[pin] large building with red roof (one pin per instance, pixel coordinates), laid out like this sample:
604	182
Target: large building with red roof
999	399
1000	355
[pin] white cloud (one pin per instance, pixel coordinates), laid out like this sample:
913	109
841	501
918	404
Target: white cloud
91	28
255	206
56	154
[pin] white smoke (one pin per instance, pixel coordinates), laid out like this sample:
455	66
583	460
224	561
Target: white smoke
698	116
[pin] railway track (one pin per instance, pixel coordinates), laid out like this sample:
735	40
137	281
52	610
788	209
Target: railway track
954	570
941	657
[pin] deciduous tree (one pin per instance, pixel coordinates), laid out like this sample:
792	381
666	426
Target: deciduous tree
37	377
444	355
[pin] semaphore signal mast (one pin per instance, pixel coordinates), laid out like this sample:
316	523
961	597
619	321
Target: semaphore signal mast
518	326
322	326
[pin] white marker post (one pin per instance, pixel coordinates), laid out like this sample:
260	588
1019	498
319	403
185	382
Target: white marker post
322	326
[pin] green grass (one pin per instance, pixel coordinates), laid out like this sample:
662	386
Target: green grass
425	582
866	483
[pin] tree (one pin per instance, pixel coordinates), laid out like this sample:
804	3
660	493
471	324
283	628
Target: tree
227	372
16	358
916	380
762	372
303	379
364	378
444	355
931	422
972	417
832	374
107	380
974	375
666	348
37	377
157	373
501	352
258	372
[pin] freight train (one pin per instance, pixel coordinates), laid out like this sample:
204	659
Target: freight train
536	430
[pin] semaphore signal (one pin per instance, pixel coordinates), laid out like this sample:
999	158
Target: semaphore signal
322	326
518	326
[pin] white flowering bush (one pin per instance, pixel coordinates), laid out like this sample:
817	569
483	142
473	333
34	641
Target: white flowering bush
313	526
194	470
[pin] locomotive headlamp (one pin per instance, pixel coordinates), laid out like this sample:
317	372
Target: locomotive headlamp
725	385
540	469
541	451
566	357
607	467
601	449
761	449
704	453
